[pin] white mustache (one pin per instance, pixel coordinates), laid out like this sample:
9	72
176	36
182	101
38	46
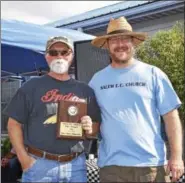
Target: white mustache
60	61
59	66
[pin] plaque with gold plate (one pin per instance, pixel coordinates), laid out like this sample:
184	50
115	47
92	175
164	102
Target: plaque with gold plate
69	115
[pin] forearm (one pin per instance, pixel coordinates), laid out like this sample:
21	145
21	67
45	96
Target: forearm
16	138
174	133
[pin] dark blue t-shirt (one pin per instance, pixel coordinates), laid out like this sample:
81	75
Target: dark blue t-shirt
35	106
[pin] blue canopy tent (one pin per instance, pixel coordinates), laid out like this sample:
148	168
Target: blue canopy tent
23	46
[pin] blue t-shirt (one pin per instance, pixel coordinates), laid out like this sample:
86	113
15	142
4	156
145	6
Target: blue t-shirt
132	100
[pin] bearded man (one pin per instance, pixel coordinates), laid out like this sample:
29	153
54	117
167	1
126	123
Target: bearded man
32	120
132	96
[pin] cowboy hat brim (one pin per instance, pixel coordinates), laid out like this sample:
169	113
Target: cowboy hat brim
102	43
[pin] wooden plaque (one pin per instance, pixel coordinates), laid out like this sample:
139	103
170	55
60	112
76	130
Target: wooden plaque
68	119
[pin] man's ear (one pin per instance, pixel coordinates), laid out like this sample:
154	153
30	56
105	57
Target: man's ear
107	41
45	55
73	57
132	40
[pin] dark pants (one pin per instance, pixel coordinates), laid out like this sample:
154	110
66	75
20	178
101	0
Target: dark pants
134	174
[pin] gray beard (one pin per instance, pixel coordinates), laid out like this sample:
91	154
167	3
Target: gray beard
118	61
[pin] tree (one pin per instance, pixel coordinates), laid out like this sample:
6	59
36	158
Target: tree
165	49
6	146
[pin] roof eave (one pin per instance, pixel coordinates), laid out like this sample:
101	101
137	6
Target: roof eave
133	13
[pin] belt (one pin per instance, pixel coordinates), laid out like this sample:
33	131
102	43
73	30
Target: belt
55	157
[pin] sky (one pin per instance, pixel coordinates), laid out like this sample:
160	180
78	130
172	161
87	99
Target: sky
42	12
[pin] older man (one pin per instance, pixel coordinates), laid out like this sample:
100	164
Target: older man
43	156
132	96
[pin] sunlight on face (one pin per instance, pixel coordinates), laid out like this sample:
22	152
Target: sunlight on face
60	47
121	49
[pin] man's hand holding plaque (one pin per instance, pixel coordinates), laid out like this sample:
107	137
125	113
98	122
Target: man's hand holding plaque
72	120
86	122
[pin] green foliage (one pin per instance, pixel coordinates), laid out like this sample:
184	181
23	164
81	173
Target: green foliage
165	49
6	146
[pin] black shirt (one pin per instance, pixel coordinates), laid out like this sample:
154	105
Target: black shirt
35	106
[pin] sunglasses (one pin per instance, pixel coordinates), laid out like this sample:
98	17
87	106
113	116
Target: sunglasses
55	53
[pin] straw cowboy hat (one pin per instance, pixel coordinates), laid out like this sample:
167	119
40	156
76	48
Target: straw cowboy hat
117	27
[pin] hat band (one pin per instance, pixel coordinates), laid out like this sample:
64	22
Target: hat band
120	31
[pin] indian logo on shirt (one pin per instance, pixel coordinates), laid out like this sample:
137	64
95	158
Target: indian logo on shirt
55	96
52	97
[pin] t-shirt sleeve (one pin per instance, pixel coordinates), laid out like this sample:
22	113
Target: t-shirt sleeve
91	82
18	108
167	99
93	109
